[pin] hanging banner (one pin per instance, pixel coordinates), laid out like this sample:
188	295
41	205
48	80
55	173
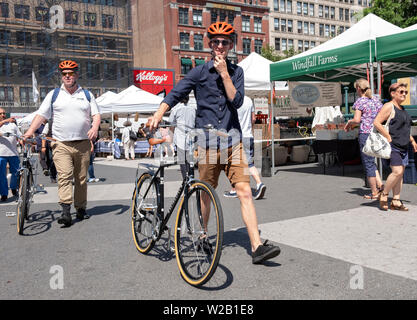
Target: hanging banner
309	95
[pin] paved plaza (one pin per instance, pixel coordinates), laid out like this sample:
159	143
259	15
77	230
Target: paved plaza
335	244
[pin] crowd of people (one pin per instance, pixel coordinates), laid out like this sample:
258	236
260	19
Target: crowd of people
70	115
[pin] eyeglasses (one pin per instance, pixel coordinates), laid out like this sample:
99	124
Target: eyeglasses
2	112
69	74
223	42
403	92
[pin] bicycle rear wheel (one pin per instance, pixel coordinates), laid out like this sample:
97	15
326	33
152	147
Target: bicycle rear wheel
144	211
198	240
23	201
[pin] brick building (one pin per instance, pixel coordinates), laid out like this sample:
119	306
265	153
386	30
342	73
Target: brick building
172	34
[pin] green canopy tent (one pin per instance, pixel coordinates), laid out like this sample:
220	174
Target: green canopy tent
343	58
398	54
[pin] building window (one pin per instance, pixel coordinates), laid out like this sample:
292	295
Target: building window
26	94
23	38
299	7
245	23
283	25
312	28
230	17
326	30
326	12
347	14
199	62
109	44
24	67
246	46
300	45
183	16
299	27
213	15
284	44
73	42
290	44
276	24
42	14
305	8
289	25
197	17
198	42
91	43
4	10
90	19
107	21
258	46
311	11
289	6
282	6
320	11
341	15
5	66
186	65
184	40
312	44
321	30
110	71
340	30
306	45
257	24
305	30
332	31
43	40
21	11
93	70
44	91
276	7
4	37
277	44
6	94
71	17
332	13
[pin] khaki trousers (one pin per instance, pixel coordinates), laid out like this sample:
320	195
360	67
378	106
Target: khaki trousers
72	159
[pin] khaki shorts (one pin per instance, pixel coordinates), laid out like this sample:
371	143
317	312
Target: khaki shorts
232	161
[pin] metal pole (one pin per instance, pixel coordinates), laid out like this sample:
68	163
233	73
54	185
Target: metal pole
112	133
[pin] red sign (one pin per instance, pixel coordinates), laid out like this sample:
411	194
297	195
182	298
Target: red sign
156	81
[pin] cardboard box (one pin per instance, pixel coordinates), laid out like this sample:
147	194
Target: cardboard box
300	153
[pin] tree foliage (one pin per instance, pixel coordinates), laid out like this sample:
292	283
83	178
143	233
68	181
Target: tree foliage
402	13
269	53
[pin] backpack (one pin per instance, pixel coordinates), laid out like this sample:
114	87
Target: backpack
132	135
54	97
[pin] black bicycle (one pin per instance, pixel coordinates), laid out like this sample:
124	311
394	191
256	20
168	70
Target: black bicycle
198	239
27	185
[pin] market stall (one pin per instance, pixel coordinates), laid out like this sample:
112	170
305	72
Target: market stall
347	57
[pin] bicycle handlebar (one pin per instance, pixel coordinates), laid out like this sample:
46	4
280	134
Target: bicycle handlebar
28	140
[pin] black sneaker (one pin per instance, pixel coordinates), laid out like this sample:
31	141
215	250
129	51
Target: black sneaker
65	218
204	245
3	198
14	192
81	214
46	172
265	252
260	192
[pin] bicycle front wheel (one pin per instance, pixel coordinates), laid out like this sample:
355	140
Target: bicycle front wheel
23	201
199	234
144	211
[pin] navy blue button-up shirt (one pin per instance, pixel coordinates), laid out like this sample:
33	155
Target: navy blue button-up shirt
213	107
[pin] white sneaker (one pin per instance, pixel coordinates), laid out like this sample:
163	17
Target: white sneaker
97	180
91	180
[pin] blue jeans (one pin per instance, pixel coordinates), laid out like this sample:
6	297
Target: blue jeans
14	164
91	166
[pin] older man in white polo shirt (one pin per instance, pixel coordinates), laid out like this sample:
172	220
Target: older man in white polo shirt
75	120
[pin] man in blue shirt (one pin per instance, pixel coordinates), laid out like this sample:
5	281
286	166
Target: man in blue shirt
218	87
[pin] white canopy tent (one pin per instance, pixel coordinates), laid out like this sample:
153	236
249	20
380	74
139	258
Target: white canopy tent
108	95
256	73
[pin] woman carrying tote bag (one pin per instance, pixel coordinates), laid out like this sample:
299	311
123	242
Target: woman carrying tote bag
366	108
399	137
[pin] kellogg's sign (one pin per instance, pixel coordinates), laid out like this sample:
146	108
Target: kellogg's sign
156	81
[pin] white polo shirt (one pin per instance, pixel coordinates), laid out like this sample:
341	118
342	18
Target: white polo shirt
245	117
8	145
71	114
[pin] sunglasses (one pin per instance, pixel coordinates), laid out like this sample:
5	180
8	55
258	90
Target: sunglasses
69	74
2	112
223	42
403	92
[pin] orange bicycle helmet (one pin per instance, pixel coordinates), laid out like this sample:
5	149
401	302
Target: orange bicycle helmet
220	29
68	64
